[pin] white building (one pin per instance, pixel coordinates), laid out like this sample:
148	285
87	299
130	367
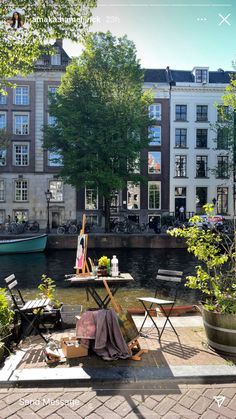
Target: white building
194	149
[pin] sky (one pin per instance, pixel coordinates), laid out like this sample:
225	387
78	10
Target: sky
180	34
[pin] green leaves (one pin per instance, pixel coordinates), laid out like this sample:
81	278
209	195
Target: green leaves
6	314
43	21
215	277
102	115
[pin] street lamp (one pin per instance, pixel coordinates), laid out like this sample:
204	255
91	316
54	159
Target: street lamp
48	195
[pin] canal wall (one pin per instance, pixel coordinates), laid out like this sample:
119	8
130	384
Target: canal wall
116	241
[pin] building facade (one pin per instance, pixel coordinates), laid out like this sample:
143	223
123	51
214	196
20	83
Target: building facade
178	166
199	156
27	171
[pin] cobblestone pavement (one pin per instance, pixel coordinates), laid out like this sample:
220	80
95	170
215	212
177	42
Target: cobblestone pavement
168	401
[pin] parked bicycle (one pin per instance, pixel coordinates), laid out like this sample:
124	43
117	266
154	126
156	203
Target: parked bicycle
68	227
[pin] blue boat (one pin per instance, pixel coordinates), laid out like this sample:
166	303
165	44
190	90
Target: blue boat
24	245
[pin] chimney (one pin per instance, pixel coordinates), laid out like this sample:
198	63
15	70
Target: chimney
59	42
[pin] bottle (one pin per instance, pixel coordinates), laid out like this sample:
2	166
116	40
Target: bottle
114	266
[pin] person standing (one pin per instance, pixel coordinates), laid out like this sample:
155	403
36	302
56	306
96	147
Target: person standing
181	213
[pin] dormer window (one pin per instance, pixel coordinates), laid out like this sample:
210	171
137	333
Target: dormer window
56	59
201	75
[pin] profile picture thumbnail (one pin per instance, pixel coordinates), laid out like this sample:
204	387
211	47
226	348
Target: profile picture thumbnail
16	21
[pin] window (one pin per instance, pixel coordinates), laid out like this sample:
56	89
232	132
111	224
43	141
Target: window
223	114
201	138
92	219
180	191
2	190
56	59
3	156
222	200
223	138
181	112
3	121
115	201
181	137
91	197
21	154
154	195
22	215
2	216
201	166
154	162
201	199
21	190
180	166
155	111
201	76
222	167
155	135
52	90
54	159
133	196
3	98
21	95
202	113
51	120
21	124
56	188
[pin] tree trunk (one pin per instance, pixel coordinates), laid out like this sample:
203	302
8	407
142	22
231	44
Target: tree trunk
107	214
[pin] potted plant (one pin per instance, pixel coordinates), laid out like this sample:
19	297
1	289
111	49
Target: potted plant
215	277
51	317
6	322
104	265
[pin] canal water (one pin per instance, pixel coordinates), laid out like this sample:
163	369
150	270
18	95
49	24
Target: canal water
142	264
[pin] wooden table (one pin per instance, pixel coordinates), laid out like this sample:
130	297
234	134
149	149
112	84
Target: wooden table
92	286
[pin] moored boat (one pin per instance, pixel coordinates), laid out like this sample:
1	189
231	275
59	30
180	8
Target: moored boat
24	245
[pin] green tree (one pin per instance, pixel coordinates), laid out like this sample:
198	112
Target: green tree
43	21
102	117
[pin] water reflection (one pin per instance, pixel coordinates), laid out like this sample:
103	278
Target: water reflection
143	265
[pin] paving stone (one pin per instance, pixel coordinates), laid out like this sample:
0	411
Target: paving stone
48	410
175	396
66	413
224	411
186	401
27	413
11	398
132	415
86	396
209	414
53	416
232	403
164	406
89	407
93	416
143	411
9	410
13	417
210	393
171	415
3	404
150	402
126	407
184	413
114	402
201	405
195	393
35	401
103	399
106	413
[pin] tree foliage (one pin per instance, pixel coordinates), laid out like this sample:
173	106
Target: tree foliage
215	276
43	21
102	116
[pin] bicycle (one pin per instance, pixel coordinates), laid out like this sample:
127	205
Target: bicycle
67	227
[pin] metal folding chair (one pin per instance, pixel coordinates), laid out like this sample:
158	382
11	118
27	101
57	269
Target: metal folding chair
28	310
149	302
